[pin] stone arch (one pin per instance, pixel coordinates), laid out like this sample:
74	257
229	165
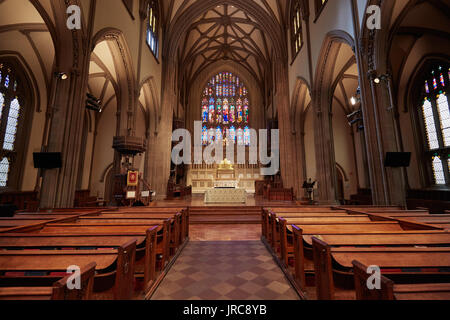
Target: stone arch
322	96
126	95
149	89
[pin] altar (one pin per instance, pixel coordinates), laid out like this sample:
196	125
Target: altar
225	195
224	175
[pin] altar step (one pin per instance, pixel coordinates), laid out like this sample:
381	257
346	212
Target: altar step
225	215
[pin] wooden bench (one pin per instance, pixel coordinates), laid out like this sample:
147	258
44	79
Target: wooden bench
279	227
268	214
163	232
114	268
282	237
334	269
391	291
303	244
146	246
59	290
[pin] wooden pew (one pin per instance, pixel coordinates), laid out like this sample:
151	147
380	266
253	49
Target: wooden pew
182	216
302	244
391	291
266	216
23	221
146	246
334	273
281	226
59	290
163	231
176	236
114	269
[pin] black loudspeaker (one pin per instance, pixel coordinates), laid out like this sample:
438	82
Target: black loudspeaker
7	210
47	160
397	159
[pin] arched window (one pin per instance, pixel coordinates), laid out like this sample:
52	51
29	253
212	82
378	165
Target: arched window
12	114
225	109
296	27
435	115
152	27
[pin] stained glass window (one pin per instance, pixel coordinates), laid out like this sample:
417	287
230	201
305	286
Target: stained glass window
152	27
438	171
4	171
205	135
296	34
436	121
225	108
444	116
430	126
11	100
240	137
11	127
2	103
246	136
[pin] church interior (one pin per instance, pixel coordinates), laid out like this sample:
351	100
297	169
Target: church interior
224	150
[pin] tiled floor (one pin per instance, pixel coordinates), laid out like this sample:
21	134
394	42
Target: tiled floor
231	270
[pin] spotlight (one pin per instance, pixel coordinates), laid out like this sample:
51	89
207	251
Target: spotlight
351	115
92	103
378	79
353	101
61	75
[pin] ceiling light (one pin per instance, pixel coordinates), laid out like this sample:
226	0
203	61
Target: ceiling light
377	80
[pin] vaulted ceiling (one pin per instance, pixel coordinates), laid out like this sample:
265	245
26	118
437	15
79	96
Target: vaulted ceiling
225	33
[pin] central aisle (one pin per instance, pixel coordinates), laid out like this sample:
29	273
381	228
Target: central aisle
230	270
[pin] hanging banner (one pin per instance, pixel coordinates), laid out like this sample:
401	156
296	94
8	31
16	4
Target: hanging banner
133	178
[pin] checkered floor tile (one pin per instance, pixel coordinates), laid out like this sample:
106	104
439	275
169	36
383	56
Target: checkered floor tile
232	270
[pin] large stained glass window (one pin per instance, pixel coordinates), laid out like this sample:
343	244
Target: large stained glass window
435	114
225	111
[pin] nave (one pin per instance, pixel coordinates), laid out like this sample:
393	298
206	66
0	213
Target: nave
163	253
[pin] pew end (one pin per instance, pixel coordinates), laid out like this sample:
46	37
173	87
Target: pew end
386	292
299	265
323	269
61	290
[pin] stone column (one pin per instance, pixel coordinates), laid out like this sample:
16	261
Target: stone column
288	163
325	156
58	186
388	184
163	141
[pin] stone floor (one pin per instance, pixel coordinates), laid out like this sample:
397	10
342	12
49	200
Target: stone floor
225	270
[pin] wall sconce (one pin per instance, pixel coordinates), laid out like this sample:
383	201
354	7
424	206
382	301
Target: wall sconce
61	75
378	79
